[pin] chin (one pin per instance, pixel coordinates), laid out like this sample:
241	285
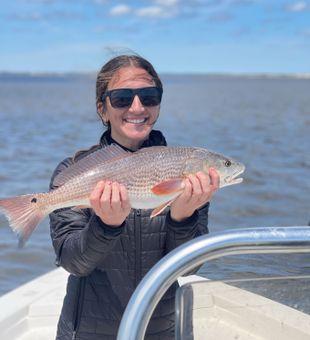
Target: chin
139	135
139	138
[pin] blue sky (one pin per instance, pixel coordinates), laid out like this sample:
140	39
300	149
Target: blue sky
235	36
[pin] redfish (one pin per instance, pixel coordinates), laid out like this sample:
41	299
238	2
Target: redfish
153	176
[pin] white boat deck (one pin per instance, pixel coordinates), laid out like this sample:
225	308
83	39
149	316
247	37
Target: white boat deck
31	311
219	311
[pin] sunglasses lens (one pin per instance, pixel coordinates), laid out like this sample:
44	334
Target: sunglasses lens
150	96
121	98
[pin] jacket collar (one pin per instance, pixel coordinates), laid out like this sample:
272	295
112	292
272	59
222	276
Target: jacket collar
155	138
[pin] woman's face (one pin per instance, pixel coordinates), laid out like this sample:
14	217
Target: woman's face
130	126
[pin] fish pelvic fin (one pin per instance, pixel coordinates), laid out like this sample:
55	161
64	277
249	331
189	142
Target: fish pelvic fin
169	186
23	213
160	208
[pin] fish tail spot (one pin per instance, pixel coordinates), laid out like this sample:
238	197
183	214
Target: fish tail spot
22	215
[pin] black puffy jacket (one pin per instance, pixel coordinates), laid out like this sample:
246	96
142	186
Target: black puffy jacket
106	264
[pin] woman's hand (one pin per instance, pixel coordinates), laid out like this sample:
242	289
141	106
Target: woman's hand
110	202
198	190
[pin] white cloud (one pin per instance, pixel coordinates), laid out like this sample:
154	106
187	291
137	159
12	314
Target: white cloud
298	6
120	10
242	2
157	11
164	8
151	11
166	3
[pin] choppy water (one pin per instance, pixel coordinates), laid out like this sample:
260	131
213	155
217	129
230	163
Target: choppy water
262	122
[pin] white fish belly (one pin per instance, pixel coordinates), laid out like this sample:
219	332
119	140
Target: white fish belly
72	203
151	201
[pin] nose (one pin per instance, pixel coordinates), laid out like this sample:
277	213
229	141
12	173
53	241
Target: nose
136	105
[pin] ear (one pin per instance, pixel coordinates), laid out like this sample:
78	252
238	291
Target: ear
101	111
100	107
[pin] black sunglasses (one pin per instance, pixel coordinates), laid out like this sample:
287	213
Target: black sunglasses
120	98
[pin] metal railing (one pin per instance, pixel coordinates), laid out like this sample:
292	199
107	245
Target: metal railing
194	253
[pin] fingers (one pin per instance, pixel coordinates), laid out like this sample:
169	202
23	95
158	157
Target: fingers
188	190
113	197
110	201
199	187
214	179
124	197
96	194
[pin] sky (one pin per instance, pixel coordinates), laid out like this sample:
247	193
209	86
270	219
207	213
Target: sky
177	36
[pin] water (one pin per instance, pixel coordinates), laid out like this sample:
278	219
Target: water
262	122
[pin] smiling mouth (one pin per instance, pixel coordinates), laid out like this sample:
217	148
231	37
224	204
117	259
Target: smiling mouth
234	179
136	121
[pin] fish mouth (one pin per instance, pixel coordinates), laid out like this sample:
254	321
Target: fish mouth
234	179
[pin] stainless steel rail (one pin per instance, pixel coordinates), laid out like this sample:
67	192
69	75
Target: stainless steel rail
194	253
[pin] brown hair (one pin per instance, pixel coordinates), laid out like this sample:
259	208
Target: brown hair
112	66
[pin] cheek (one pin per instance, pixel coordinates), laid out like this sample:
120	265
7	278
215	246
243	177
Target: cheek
155	110
153	113
105	117
112	115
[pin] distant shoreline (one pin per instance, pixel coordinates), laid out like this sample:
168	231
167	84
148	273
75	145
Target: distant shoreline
91	75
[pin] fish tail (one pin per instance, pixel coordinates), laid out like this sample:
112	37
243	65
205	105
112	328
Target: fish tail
23	213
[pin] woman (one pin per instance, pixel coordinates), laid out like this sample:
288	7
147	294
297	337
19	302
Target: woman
109	248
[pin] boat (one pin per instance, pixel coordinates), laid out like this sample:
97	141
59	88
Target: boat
31	311
205	309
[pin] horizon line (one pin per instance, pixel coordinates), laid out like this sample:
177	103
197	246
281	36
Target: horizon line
38	74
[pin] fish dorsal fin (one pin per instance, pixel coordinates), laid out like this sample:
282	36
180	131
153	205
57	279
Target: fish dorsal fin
105	154
155	147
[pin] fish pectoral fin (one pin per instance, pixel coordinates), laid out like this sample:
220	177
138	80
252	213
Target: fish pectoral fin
168	187
160	208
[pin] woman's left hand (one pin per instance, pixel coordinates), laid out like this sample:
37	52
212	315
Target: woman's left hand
198	190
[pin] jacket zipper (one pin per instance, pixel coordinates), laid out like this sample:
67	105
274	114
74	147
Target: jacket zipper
138	245
78	307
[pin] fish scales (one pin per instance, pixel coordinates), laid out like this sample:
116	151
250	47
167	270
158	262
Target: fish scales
139	173
153	177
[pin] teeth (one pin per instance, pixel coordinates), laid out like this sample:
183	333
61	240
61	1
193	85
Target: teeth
234	179
135	121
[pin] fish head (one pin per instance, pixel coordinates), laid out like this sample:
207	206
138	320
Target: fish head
228	168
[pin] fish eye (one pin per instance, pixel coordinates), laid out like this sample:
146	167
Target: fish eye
227	163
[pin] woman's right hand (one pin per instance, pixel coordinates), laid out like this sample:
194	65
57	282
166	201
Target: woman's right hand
110	202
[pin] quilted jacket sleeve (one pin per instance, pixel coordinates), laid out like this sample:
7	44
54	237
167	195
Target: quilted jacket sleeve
181	232
79	237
